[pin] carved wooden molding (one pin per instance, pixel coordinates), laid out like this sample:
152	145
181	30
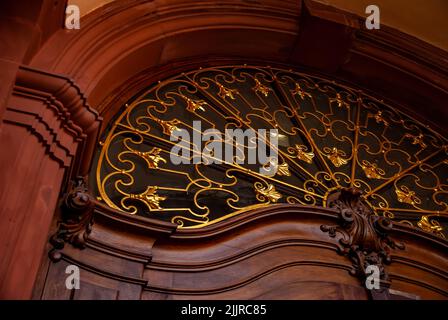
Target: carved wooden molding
77	219
60	146
70	109
48	134
364	236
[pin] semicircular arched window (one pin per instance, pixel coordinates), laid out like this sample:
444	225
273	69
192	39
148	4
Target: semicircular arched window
328	136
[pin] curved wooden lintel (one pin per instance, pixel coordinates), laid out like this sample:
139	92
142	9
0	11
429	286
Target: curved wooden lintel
153	227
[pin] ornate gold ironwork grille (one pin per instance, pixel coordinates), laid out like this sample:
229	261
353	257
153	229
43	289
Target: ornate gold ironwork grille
330	136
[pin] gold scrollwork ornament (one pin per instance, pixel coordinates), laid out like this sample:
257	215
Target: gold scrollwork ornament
407	196
261	88
267	193
149	197
432	226
151	157
335	156
371	170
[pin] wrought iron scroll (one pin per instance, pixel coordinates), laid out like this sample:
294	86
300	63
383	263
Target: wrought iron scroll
331	136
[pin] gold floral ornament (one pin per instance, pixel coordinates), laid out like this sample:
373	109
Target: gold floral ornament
261	88
149	197
339	101
379	118
151	157
335	156
371	170
299	91
283	170
168	126
432	226
267	193
302	153
405	195
416	139
225	92
193	105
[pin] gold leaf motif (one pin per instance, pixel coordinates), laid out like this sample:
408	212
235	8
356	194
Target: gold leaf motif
151	157
379	118
371	170
168	126
335	156
299	91
259	87
405	195
340	102
283	170
432	226
225	92
416	139
193	105
302	153
267	193
149	197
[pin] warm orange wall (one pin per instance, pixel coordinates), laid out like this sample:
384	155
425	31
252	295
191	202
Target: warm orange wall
424	19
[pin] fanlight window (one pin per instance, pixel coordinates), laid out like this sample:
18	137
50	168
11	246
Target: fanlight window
330	136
